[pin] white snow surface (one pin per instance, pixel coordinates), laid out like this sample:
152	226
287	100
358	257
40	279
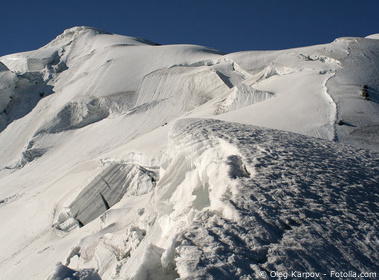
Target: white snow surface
125	159
373	36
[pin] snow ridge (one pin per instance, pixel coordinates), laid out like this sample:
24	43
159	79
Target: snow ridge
241	204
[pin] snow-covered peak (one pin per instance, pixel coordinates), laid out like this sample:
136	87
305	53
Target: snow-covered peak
373	36
80	41
72	33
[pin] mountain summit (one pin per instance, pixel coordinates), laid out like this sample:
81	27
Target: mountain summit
125	159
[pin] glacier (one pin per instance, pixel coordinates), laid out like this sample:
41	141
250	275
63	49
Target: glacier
126	159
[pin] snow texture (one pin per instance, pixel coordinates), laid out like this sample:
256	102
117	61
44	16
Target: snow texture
269	208
125	159
64	273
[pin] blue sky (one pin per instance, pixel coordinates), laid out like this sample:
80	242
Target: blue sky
227	25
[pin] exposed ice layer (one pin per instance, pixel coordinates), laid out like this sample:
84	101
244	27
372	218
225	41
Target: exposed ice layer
8	81
64	273
22	65
36	61
19	94
185	88
242	96
105	191
32	76
30	154
7	86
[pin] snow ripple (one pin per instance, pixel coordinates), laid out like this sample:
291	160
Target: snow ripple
294	201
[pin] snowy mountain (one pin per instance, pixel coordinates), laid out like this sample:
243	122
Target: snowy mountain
125	159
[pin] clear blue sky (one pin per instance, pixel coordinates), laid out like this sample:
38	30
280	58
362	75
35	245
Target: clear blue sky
227	25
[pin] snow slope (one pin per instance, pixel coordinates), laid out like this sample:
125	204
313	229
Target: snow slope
105	173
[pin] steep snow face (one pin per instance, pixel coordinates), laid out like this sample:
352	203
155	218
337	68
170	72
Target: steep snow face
355	91
97	174
99	77
104	191
324	84
8	81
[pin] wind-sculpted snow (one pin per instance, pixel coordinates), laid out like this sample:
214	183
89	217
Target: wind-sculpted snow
288	202
233	200
236	200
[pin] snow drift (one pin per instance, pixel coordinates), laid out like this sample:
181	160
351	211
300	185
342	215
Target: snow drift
125	159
